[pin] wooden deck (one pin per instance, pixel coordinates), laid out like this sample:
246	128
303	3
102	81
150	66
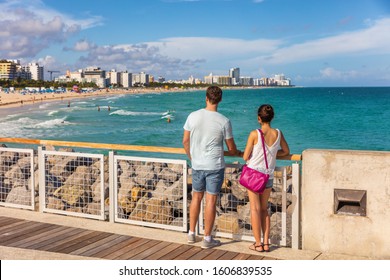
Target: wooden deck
25	234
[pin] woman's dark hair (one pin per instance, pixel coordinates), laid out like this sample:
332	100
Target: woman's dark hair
214	94
266	113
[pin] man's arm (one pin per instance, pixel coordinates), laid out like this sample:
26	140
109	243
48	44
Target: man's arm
186	142
231	146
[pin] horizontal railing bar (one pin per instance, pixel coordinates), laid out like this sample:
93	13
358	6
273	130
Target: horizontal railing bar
122	147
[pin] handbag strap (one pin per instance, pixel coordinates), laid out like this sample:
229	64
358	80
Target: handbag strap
265	154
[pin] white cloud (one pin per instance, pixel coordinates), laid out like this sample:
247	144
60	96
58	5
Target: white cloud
214	48
374	39
333	74
28	28
81	46
136	58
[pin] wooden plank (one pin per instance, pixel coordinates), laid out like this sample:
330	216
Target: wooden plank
3	218
269	258
20	140
104	246
215	255
122	147
126	246
164	251
73	240
18	230
63	239
30	235
256	257
201	254
115	245
241	256
139	242
85	250
228	255
139	249
5	228
157	247
6	221
173	254
96	237
90	239
189	253
55	239
44	236
41	237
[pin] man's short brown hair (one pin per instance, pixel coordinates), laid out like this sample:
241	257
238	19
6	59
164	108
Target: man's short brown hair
214	94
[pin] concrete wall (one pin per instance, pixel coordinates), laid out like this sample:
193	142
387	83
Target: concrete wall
322	230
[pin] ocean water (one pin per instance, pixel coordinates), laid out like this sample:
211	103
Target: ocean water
323	118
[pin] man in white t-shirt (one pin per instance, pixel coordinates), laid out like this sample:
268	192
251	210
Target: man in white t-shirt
205	131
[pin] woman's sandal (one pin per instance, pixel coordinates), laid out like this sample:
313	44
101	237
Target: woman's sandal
254	247
267	251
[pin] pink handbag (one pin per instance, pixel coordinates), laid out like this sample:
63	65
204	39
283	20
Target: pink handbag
252	179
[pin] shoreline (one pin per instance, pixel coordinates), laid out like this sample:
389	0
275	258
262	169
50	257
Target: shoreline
17	99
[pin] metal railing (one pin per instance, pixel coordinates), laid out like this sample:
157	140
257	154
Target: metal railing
71	183
144	191
233	208
150	192
17	180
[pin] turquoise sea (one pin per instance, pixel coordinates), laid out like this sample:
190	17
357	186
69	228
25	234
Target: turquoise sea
324	118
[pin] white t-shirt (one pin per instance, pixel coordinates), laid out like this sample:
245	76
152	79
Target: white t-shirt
208	131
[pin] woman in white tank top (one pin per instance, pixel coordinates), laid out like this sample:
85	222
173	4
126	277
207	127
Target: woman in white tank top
275	145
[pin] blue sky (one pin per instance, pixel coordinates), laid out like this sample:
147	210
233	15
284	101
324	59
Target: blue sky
315	43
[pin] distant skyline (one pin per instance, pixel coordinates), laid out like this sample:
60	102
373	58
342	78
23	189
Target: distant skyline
315	43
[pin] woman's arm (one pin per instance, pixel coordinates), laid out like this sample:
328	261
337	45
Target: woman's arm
249	145
285	150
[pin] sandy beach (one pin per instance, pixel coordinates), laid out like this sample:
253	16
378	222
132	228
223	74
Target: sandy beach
17	99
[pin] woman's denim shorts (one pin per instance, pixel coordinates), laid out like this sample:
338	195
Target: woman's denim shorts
270	184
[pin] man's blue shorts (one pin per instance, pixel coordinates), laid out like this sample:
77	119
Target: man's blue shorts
208	180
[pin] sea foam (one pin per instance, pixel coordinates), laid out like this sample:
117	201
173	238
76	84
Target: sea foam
51	123
131	113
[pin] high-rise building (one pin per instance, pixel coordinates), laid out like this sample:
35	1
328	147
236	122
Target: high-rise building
224	80
95	75
280	80
22	72
209	79
7	70
234	73
126	79
36	71
141	78
114	77
246	81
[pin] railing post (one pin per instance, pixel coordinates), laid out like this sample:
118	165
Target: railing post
41	178
283	240
296	233
111	179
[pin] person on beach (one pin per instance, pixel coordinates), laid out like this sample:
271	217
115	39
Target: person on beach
275	145
205	131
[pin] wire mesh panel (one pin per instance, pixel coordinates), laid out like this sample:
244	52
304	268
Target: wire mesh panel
73	184
17	187
151	192
233	208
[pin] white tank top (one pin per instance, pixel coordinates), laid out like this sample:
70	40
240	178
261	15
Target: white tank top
257	160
